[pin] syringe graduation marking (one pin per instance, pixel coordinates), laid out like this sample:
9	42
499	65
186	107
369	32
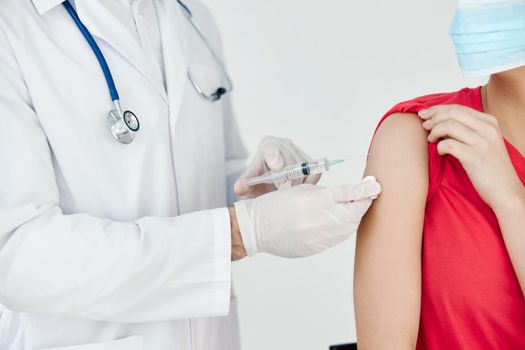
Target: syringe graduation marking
297	171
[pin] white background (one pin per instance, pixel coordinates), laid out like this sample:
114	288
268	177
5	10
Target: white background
322	73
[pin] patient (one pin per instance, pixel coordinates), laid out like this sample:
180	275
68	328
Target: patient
440	260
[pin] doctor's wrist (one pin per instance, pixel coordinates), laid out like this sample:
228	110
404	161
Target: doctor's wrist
238	250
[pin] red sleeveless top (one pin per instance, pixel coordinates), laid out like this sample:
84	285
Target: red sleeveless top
471	298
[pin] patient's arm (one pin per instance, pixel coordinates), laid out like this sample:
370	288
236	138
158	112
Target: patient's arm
387	285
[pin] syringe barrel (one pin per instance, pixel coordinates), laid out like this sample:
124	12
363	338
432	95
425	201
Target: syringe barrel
299	171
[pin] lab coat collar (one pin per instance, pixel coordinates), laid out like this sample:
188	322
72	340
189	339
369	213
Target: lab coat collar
174	27
42	6
102	23
100	19
175	50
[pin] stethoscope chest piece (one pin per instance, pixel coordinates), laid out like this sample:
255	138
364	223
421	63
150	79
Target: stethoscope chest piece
121	126
131	120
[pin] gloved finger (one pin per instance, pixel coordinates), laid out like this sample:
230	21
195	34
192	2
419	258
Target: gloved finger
285	185
295	155
268	149
240	187
356	210
312	179
243	190
255	168
289	152
369	188
296	152
272	155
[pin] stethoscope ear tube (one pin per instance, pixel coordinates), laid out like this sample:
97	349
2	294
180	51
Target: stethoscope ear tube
186	9
221	91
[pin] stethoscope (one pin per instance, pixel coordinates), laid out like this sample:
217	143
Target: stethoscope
124	124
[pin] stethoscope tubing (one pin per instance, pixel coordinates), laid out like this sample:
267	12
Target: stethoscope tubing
124	124
96	50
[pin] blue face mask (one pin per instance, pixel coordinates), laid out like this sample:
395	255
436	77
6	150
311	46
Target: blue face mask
489	39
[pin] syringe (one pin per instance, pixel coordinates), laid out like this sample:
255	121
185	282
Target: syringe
294	172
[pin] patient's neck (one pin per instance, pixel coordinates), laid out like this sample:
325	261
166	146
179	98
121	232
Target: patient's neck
504	97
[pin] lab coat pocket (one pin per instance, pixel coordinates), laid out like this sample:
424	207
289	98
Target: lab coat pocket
129	343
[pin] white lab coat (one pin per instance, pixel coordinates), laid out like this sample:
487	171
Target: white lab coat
104	245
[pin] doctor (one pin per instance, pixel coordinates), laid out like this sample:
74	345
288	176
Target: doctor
117	145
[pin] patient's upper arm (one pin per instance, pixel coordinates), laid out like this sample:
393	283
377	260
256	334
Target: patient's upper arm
387	285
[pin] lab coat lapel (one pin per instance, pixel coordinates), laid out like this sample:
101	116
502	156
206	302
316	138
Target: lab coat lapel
174	32
100	19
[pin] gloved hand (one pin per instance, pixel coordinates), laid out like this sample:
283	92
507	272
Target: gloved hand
273	154
303	220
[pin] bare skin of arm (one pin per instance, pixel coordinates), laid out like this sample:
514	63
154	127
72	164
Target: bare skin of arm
238	250
387	285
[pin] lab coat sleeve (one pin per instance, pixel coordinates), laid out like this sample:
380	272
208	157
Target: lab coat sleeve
80	266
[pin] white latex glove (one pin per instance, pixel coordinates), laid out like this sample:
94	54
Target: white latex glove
273	154
303	220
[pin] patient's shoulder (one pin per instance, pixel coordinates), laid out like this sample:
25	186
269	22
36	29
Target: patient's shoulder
404	116
401	123
398	135
399	154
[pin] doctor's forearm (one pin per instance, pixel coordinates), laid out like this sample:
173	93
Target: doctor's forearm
238	251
